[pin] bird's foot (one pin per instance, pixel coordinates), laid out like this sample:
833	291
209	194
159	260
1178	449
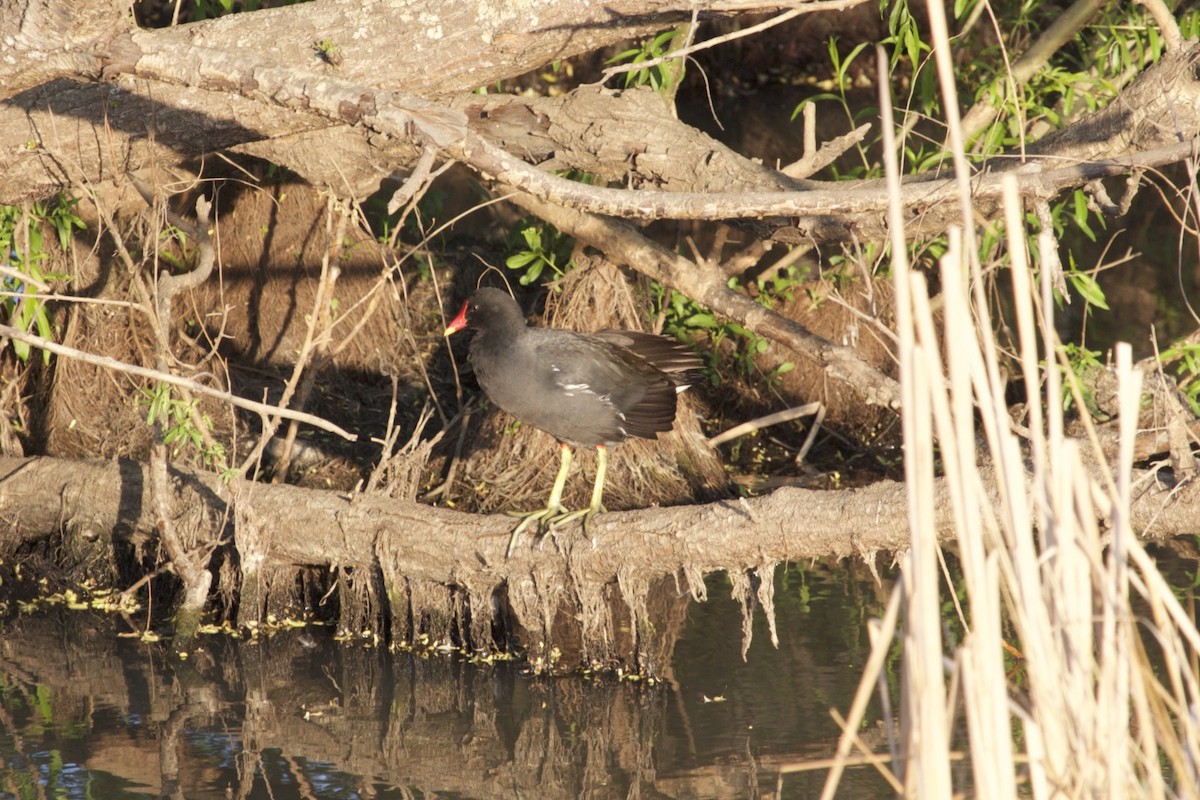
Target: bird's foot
544	520
547	520
584	515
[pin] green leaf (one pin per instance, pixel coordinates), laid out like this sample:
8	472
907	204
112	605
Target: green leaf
533	274
520	260
42	321
1088	289
1082	213
701	320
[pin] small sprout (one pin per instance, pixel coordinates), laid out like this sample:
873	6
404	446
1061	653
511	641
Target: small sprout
329	52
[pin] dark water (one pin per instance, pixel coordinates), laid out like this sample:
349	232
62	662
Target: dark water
85	714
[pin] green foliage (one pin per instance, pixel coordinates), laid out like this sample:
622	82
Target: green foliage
842	81
177	419
208	9
537	247
1083	363
1082	76
17	305
1186	358
683	318
664	77
904	35
1087	287
1081	214
1189	25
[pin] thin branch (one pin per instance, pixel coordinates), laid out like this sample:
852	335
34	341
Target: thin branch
165	377
1167	24
806	8
787	415
644	204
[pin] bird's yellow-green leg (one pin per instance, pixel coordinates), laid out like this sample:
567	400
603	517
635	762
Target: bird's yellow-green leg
597	504
554	507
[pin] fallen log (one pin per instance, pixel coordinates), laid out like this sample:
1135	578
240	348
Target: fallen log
443	574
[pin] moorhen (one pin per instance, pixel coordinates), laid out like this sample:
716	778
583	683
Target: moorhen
585	390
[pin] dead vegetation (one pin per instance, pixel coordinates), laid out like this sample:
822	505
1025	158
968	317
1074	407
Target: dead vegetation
311	312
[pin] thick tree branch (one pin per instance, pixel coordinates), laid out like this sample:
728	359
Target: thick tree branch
89	131
40	495
263	409
396	115
622	243
275	90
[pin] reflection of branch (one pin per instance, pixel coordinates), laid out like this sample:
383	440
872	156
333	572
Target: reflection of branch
175	380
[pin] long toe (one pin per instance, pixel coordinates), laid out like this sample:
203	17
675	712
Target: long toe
544	519
587	517
584	515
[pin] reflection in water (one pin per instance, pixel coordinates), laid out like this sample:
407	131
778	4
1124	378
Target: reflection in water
85	714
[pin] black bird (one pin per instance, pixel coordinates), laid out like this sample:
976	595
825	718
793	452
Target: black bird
586	390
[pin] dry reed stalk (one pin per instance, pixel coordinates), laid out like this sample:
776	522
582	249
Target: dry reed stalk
1097	715
1094	718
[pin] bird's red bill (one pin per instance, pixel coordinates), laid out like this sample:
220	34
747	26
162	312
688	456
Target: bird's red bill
459	322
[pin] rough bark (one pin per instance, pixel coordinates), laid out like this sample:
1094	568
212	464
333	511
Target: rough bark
196	89
437	563
85	131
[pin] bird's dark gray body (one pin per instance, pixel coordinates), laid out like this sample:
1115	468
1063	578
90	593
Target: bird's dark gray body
583	389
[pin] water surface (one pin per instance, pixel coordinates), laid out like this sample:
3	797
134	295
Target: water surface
85	714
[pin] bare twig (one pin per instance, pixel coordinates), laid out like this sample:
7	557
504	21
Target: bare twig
174	380
766	421
313	352
805	8
416	183
1167	25
814	160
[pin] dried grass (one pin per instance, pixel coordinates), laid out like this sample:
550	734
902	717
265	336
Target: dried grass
1092	717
